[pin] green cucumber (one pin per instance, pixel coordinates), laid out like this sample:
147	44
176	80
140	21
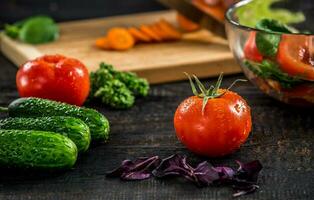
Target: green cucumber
73	128
36	107
36	149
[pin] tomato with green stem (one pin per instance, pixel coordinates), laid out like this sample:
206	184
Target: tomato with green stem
214	122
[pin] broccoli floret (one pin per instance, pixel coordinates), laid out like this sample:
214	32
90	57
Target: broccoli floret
139	86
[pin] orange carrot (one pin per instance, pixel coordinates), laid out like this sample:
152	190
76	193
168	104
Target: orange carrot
146	30
138	35
120	39
168	29
159	32
103	43
186	24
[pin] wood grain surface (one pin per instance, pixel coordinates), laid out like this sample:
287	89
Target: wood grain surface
200	53
282	139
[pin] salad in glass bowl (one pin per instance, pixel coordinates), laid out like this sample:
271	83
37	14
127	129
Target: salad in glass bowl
273	43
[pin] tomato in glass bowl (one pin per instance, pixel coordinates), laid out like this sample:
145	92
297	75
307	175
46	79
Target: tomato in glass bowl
277	57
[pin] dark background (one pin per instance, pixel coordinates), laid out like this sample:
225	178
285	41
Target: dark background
64	10
60	10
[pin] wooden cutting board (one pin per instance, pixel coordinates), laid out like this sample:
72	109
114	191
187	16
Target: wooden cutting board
199	53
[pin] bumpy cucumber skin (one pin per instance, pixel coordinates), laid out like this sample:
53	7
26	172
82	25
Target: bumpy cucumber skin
36	107
73	128
36	149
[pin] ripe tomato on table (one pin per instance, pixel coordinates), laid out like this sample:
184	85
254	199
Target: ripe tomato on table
54	77
213	123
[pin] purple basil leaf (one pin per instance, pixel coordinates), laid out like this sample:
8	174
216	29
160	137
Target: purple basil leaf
173	165
125	166
249	171
206	174
245	179
140	169
140	175
225	172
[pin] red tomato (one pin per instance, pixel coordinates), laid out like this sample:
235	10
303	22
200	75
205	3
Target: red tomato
294	56
54	77
250	49
223	126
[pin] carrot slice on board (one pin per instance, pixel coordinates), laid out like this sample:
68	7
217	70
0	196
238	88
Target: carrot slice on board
138	35
170	30
102	43
145	29
159	32
120	39
186	24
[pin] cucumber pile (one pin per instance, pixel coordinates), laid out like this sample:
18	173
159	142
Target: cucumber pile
45	134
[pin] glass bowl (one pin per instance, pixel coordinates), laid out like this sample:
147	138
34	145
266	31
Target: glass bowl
279	64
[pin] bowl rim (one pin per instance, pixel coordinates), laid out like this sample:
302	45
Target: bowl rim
247	28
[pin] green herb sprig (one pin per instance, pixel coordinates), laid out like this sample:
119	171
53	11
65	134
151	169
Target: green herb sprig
115	88
270	70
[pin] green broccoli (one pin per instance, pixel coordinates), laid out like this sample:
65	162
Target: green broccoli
139	86
116	89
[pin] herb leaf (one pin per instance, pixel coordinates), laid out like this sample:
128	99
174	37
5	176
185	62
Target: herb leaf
270	70
116	88
243	180
267	44
11	30
274	26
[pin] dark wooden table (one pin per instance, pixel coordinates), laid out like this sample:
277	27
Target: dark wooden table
282	139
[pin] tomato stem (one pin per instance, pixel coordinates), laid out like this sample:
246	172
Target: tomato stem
212	92
3	109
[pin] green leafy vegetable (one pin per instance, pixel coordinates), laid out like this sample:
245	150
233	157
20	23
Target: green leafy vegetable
256	10
274	26
116	89
11	30
138	86
270	70
34	30
267	44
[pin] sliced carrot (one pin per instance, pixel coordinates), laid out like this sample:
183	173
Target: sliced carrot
145	29
102	43
138	35
159	32
186	24
170	30
120	39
